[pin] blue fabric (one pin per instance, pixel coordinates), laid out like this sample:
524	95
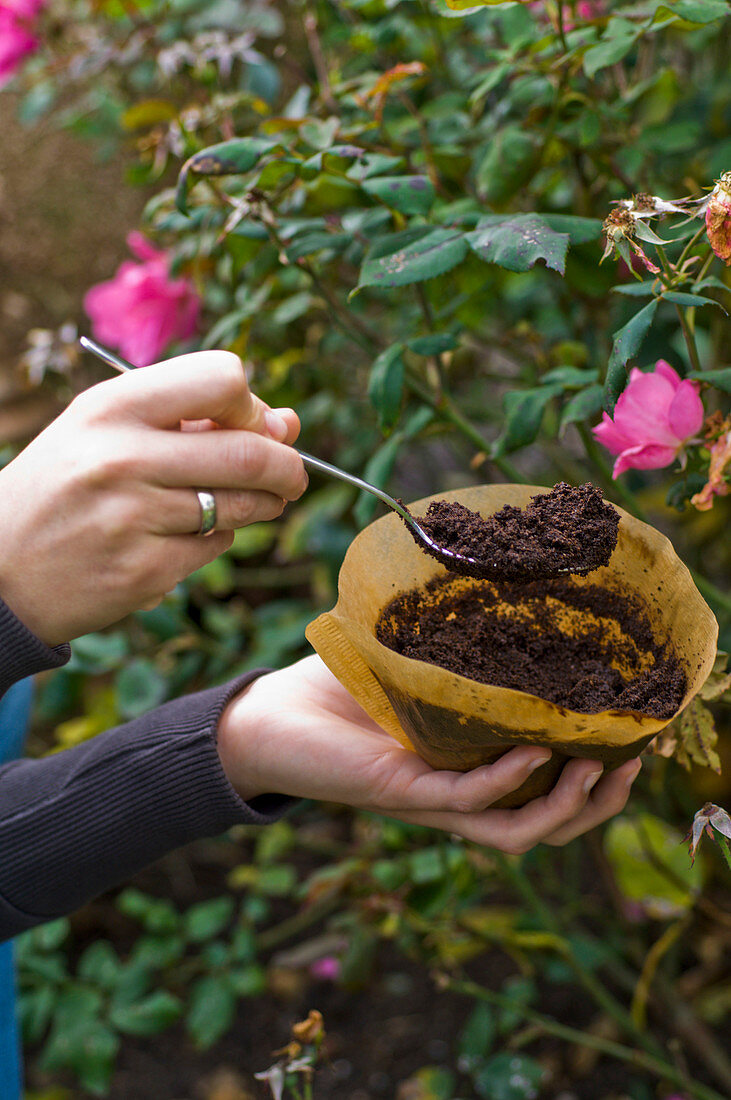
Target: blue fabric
14	713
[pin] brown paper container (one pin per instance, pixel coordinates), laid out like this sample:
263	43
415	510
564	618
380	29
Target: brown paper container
456	723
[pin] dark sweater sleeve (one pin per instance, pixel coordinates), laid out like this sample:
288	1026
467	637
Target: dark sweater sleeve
74	824
22	653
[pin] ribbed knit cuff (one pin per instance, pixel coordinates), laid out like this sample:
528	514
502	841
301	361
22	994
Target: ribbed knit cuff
22	653
74	824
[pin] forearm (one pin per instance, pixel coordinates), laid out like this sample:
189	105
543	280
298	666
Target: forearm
79	822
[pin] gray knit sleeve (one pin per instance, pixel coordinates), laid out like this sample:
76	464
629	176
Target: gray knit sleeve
76	823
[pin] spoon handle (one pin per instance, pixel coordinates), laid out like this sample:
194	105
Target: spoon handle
351	479
123	365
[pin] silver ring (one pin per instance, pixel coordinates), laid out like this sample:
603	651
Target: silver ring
207	503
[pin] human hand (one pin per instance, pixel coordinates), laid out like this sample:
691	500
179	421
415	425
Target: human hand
99	513
299	732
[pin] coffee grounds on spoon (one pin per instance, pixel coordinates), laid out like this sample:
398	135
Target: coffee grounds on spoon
570	529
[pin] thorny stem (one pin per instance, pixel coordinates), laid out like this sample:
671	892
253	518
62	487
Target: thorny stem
622	1053
689	339
690	245
561	31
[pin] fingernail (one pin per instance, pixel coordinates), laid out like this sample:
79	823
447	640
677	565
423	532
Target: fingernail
539	760
634	772
591	780
276	426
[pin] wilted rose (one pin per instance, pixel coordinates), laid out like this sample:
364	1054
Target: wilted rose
654	418
717	484
718	218
143	309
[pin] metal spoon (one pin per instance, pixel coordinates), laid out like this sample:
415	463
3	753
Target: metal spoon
458	563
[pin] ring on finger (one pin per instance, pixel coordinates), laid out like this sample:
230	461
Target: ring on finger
207	503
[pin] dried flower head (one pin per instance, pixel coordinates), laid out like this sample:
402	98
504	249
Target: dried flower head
310	1030
620	228
712	820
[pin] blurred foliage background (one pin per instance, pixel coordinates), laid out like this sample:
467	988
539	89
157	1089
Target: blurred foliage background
402	237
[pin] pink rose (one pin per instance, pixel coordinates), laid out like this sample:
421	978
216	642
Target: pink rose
142	310
654	418
16	38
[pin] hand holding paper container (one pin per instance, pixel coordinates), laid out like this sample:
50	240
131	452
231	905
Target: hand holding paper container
457	723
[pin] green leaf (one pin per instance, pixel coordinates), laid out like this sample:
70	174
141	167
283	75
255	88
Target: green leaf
412	256
681	491
435	344
627	342
426	865
644	289
211	1013
509	1076
35	1010
386	384
580	230
721	378
571	378
682	299
306	244
517	241
651	866
247	981
100	964
227	158
374	164
700	11
584	404
79	1041
524	411
148	1016
140	687
478	1035
511	160
155	915
95	653
407	194
619	38
208	918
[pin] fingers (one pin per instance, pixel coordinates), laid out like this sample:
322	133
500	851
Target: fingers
460	792
517	831
177	511
226	460
205	384
607	799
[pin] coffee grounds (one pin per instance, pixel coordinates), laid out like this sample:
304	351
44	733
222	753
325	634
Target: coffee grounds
571	529
511	635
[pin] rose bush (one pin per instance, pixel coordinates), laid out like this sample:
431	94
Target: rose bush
395	212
